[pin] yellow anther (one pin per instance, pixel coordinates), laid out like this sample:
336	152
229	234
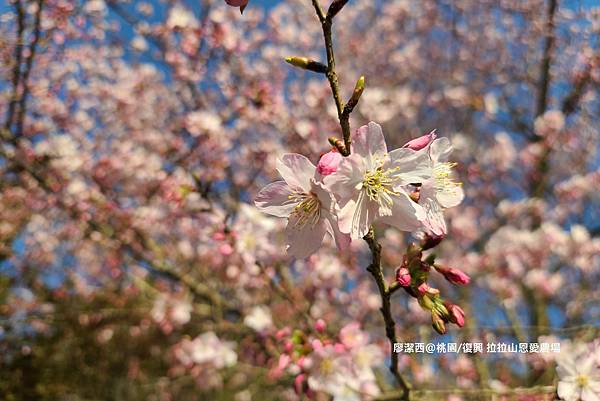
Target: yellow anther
307	209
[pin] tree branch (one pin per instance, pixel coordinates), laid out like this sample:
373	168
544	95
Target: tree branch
386	311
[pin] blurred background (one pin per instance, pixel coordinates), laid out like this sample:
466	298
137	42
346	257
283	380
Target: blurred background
135	136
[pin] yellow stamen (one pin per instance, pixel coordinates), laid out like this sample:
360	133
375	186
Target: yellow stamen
442	173
378	185
307	210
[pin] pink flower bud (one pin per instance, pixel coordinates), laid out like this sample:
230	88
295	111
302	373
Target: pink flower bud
403	276
225	249
423	288
299	383
329	162
320	325
420	142
454	276
457	315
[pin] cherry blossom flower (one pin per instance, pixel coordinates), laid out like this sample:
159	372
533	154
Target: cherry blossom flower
579	378
369	184
308	205
440	190
259	319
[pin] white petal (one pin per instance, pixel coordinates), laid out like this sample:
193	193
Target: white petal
344	183
567	368
364	214
450	197
440	149
324	195
568	391
342	241
406	214
413	166
369	143
434	223
590	394
273	199
345	216
296	170
304	241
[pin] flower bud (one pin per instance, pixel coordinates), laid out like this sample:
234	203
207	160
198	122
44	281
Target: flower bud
306	64
431	241
299	383
403	276
320	325
420	142
454	276
424	288
438	323
329	162
455	314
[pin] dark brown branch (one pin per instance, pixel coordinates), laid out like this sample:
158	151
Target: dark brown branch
326	24
386	310
16	72
28	67
544	83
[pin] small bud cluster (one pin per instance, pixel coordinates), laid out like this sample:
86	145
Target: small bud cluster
412	276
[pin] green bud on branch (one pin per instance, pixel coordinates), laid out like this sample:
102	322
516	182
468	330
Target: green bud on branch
358	90
338	144
306	64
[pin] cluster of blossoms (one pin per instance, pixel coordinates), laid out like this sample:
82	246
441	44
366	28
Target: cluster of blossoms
342	367
204	356
406	188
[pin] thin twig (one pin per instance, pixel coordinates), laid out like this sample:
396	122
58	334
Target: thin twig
16	72
28	66
326	25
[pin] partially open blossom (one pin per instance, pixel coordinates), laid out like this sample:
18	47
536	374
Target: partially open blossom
369	184
403	276
420	142
329	162
453	275
308	205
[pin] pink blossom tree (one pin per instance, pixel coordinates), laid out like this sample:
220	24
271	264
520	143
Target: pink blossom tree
186	216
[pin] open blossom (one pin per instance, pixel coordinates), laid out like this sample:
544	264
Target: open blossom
259	319
579	378
308	205
369	184
440	190
206	349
